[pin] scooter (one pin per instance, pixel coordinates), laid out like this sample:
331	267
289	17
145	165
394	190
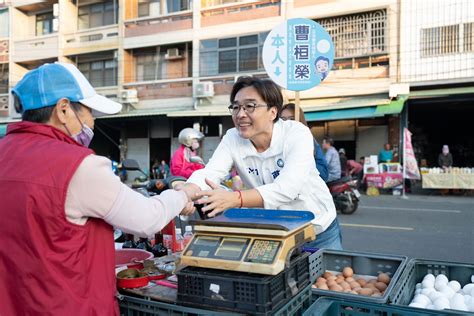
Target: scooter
345	194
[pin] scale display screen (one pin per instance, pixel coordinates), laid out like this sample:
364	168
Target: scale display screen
227	248
231	248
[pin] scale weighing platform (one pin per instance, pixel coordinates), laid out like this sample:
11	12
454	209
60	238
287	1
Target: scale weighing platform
249	240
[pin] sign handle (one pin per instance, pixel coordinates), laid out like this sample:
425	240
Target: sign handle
297	107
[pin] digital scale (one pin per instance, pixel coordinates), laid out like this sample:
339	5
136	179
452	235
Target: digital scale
249	240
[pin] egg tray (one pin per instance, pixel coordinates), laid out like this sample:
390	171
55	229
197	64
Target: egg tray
415	271
367	264
330	306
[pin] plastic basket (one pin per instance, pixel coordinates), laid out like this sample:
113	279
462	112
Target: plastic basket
362	263
415	271
328	306
132	306
242	292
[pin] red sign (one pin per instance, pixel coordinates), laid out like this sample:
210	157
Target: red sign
384	180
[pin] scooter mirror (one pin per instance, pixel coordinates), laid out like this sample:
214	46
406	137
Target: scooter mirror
130	164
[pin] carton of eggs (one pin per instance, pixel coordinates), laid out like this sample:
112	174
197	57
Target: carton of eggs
440	293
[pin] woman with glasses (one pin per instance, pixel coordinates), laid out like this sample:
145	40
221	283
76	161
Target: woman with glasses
273	157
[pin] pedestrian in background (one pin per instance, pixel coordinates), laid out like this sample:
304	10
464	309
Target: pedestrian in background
343	161
445	158
332	159
386	154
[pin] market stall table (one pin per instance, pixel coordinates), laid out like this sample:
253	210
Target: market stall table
447	180
384	180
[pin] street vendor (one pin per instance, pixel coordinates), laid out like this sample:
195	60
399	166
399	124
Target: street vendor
60	201
275	159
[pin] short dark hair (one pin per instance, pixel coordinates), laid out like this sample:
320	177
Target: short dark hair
291	107
43	115
267	89
328	140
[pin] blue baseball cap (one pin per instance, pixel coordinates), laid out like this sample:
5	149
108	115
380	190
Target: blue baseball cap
47	84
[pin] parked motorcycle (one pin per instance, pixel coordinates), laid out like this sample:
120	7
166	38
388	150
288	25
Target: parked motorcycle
345	194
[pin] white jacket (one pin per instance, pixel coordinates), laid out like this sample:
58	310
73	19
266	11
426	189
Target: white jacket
285	174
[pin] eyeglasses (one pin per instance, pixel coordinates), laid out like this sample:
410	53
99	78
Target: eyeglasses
248	107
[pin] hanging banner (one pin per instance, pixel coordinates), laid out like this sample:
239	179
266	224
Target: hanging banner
298	54
410	165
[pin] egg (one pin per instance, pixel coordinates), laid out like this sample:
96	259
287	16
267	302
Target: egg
429	277
383	277
426	284
331	283
327	274
417	305
468	288
439	285
323	286
441	278
454	285
339	280
418	286
336	288
350	279
366	291
447	291
427	291
417	291
441	303
354	284
320	279
467	299
423	299
345	285
456	299
376	295
347	272
434	295
381	286
362	282
472	278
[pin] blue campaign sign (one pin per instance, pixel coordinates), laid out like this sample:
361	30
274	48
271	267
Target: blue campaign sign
298	54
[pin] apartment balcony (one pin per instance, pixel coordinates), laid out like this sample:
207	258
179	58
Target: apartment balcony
110	92
36	48
33	5
239	12
4	51
3	104
92	40
149	27
163	94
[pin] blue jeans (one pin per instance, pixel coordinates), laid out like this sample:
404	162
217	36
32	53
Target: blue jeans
331	238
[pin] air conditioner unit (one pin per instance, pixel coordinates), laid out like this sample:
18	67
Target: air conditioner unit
173	53
129	96
204	89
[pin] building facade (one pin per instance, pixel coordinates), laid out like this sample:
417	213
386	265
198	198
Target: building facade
172	63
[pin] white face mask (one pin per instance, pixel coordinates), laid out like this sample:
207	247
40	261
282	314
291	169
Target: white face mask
195	145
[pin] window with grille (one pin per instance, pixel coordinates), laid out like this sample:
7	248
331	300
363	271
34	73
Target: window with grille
355	35
468	38
4	78
230	55
436	41
97	14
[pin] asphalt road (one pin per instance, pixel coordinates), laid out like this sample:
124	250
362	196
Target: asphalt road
428	227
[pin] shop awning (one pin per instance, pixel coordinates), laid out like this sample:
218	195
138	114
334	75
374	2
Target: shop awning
394	107
326	104
3	129
342	114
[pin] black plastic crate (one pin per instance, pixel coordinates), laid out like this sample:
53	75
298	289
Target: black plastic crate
416	270
329	306
242	292
362	263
